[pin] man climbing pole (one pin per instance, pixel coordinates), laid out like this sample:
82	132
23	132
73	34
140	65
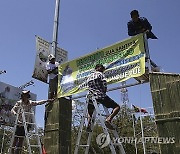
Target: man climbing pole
52	69
97	86
139	25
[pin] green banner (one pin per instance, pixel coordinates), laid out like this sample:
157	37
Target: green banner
122	60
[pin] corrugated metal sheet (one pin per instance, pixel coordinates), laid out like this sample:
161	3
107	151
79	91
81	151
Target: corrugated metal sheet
165	89
57	138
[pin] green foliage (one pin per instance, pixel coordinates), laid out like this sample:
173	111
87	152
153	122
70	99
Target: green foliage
4	144
8	135
124	123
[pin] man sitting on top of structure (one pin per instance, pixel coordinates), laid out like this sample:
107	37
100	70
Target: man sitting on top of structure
139	25
97	86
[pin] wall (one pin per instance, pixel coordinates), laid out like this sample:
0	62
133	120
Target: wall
58	120
165	89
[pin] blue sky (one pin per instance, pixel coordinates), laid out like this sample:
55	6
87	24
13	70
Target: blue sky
84	26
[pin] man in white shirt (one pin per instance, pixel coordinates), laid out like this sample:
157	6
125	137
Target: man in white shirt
26	104
52	69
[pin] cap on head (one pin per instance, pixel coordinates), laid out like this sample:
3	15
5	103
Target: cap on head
25	92
134	12
51	56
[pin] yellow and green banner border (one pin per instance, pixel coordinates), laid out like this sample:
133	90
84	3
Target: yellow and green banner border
122	60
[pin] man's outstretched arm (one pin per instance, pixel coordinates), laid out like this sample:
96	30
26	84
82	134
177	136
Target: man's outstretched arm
34	103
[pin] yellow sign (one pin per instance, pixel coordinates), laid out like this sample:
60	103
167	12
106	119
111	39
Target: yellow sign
122	60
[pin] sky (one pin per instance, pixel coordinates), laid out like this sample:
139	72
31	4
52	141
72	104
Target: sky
84	26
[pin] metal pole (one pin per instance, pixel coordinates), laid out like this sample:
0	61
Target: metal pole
27	84
135	144
115	88
147	52
142	131
55	32
55	28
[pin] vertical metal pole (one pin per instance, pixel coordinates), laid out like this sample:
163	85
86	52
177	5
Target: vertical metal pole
135	144
55	32
142	130
55	28
147	52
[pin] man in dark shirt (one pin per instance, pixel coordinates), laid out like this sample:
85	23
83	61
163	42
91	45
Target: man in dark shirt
139	25
98	87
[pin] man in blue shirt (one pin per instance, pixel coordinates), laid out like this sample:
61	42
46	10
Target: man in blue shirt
139	25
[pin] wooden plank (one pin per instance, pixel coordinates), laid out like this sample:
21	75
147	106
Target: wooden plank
57	138
165	90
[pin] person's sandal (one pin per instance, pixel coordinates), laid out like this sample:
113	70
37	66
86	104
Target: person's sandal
88	129
109	125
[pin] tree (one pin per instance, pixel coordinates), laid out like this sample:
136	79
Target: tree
8	135
124	123
5	135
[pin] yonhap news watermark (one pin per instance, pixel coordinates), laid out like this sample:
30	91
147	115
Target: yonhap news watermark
153	140
104	140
